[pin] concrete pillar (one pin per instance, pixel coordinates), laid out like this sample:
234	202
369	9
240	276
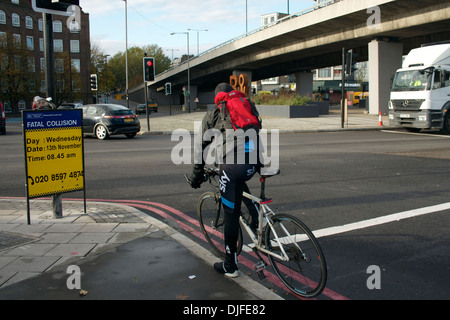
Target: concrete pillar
384	59
304	83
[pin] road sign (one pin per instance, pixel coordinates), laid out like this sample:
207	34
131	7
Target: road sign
54	6
54	152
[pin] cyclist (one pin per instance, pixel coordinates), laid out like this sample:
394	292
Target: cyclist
232	182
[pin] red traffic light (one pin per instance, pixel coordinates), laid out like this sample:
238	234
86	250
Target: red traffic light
149	63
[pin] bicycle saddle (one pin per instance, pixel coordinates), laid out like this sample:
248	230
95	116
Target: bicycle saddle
267	173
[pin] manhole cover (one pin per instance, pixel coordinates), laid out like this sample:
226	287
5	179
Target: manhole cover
8	240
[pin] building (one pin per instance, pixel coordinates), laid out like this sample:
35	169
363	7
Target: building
22	63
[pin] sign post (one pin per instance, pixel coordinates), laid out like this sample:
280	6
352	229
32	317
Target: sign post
54	153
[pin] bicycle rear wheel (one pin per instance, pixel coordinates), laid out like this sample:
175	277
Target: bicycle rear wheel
305	273
211	217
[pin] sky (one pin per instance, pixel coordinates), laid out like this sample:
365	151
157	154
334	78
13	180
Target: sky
153	21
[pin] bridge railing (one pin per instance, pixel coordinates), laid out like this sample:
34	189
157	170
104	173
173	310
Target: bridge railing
289	17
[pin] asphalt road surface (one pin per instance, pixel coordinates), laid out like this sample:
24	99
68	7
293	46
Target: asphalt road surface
337	183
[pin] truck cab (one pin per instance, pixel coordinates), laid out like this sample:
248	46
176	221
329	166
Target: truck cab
420	93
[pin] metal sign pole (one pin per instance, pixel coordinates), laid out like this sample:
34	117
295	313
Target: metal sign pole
343	88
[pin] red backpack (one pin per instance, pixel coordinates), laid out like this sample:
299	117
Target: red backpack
234	107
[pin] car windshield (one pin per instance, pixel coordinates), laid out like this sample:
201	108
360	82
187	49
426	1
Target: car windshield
412	80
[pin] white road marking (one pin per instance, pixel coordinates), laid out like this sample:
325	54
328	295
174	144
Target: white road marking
380	220
419	134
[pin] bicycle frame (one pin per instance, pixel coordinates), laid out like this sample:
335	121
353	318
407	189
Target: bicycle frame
264	211
281	243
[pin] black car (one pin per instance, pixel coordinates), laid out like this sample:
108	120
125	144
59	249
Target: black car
2	119
104	120
140	109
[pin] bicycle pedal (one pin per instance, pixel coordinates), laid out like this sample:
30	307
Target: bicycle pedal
259	266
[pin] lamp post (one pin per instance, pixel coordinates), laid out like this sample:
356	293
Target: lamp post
246	16
106	81
126	54
198	50
189	76
172	53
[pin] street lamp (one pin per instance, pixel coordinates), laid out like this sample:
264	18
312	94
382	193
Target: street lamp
172	53
106	84
198	51
189	75
126	53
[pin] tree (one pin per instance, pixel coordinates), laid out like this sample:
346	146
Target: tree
19	80
100	65
135	68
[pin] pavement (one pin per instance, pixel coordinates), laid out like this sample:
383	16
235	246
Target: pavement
356	119
115	251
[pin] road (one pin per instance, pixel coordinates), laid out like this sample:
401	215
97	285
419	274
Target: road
328	180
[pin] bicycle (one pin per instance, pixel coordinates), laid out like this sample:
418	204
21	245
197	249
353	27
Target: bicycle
292	249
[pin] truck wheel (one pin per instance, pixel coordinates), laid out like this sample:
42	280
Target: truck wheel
446	125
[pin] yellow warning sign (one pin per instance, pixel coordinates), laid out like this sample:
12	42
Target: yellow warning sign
54	154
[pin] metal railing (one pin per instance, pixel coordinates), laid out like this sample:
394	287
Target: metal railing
289	17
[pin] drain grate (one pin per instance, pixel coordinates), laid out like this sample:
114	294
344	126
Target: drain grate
8	240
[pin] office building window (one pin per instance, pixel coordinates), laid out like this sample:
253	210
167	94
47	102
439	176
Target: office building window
15	20
58	45
30	43
76	65
17	40
31	64
57	26
59	65
75	46
29	22
2	17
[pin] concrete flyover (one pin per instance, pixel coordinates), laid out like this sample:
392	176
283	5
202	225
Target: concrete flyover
379	31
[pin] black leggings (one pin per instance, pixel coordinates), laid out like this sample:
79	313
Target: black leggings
232	184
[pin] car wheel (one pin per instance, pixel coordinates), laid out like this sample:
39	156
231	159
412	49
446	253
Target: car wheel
130	135
101	133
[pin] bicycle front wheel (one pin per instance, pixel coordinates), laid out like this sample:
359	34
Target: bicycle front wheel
212	222
305	271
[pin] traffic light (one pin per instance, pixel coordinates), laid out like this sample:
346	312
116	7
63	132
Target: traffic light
168	88
149	69
93	79
350	62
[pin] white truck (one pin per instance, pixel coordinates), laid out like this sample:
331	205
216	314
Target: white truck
420	93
